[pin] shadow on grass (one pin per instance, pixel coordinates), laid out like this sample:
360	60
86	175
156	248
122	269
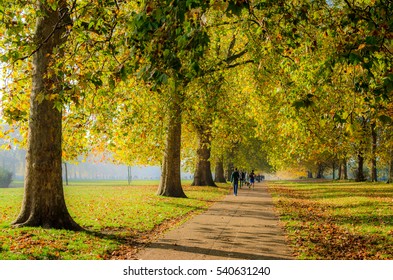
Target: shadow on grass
130	241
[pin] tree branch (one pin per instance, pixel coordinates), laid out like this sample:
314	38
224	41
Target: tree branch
212	70
65	12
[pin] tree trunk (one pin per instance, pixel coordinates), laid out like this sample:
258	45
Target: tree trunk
43	202
340	170
170	183
343	170
391	168
219	172
129	175
66	173
203	175
320	171
374	176
360	174
230	168
309	174
334	170
360	177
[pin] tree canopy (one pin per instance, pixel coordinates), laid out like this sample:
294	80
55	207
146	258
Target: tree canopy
263	84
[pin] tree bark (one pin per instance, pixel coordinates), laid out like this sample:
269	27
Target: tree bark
230	169
360	174
343	172
320	171
360	177
66	173
391	168
374	175
129	175
203	175
339	170
43	203
170	183
334	170
219	172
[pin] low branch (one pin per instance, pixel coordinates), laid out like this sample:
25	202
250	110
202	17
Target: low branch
43	42
224	23
212	70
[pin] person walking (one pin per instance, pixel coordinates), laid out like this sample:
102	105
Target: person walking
235	180
252	179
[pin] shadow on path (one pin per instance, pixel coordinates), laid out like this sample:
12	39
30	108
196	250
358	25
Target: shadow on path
239	227
211	252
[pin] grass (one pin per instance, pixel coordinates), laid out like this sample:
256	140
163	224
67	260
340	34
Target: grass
118	219
323	220
72	182
336	220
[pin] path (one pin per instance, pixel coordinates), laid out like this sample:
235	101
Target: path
239	227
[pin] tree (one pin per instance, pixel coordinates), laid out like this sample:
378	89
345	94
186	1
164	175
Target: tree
219	171
200	112
203	175
171	40
327	87
56	86
168	40
43	203
227	52
170	182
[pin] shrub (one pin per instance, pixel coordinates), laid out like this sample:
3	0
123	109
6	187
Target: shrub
5	178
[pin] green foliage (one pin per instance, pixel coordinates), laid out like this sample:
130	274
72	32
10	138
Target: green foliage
236	7
167	40
5	178
366	41
298	74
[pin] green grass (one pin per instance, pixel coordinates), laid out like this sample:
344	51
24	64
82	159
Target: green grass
72	182
114	215
119	182
336	220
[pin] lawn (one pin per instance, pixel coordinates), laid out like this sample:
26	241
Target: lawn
119	219
336	220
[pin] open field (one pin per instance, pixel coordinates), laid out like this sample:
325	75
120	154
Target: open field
336	220
119	219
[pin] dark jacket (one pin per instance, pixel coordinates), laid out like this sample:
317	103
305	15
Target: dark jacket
235	176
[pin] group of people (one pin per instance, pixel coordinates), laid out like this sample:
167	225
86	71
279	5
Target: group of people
242	178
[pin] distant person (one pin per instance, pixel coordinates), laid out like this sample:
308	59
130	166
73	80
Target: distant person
235	180
252	179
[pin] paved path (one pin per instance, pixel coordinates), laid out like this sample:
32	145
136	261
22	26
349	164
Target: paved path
239	227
